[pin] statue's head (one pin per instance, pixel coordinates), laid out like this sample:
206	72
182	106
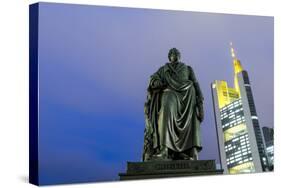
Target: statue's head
174	55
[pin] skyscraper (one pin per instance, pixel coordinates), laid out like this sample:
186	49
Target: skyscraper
241	146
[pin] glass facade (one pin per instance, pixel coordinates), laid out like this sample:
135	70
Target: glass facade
236	138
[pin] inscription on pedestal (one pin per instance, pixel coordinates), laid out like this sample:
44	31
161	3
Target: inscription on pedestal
156	166
158	169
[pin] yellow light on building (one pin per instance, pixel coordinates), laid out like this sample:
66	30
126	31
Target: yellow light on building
227	94
237	69
232	132
243	168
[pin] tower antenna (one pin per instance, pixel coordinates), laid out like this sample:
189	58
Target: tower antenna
232	51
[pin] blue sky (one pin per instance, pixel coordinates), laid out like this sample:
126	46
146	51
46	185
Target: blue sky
94	66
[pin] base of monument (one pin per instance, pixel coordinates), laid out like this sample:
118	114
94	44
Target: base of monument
164	169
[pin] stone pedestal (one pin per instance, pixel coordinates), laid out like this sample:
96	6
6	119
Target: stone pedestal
163	169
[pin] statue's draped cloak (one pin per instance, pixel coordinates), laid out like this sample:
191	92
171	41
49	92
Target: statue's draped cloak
171	109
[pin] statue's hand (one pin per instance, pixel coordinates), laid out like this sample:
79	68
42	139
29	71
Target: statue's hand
158	84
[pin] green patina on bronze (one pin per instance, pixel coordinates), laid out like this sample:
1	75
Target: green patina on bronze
173	112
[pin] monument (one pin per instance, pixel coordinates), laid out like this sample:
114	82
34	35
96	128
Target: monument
173	114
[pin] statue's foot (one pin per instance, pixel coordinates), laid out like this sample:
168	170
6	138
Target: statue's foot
184	156
160	158
191	154
162	155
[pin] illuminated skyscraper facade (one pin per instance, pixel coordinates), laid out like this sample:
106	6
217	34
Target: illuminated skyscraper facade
240	140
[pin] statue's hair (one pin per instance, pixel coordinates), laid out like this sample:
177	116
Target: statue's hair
174	51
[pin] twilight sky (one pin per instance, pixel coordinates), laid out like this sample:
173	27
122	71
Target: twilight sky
94	66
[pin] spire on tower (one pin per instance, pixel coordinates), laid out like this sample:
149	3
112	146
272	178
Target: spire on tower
232	51
237	68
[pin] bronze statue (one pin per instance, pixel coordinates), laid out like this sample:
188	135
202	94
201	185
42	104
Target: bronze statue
173	113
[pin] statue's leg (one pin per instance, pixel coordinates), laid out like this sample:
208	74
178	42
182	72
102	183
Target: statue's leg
166	115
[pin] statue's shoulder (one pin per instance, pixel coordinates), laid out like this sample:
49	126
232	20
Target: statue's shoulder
160	70
166	64
189	68
182	65
164	67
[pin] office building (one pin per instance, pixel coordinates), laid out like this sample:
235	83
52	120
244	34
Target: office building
240	141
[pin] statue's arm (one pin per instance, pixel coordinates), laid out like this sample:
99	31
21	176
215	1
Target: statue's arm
157	81
199	95
198	91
